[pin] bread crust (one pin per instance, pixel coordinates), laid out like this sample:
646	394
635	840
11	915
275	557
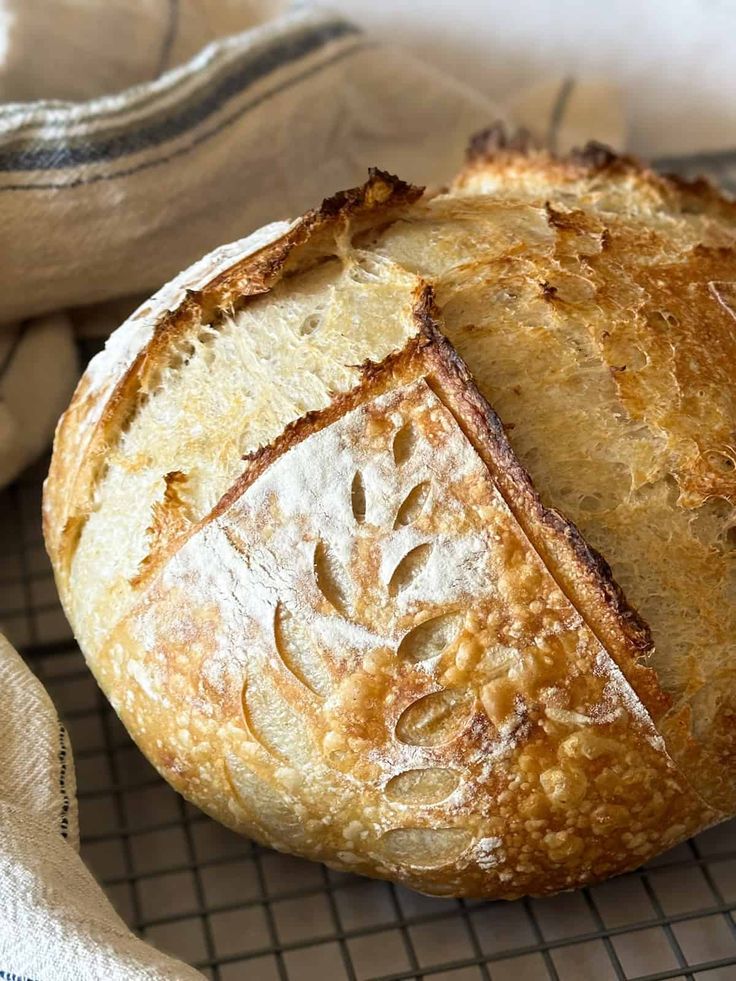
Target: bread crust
583	783
99	411
494	835
496	150
690	361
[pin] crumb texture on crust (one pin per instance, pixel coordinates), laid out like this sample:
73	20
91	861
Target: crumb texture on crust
210	381
108	369
366	624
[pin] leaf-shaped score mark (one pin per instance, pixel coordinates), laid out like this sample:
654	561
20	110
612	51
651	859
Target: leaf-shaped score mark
409	568
297	649
266	803
430	637
332	580
357	498
436	718
427	786
404	443
424	847
275	721
412	505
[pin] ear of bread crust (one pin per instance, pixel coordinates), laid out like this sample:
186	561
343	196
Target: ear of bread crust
119	378
374	667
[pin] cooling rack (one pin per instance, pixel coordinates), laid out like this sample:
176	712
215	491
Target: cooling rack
238	911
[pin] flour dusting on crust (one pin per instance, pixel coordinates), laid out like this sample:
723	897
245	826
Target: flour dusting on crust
300	573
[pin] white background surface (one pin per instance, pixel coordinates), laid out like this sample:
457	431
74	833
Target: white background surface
675	61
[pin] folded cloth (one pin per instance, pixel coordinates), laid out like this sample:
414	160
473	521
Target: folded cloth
38	369
55	921
100	48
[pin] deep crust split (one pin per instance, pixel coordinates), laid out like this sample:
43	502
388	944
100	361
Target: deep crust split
405	664
71	479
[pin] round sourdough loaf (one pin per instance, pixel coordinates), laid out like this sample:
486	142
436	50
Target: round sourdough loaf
403	538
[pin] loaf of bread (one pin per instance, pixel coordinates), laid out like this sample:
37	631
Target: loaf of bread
402	537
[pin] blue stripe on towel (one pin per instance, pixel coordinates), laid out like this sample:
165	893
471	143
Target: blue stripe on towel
251	67
65	802
109	175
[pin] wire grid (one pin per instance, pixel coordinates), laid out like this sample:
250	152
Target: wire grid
236	910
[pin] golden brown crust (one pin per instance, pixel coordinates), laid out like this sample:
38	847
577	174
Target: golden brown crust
546	677
499	150
659	316
170	520
569	797
581	571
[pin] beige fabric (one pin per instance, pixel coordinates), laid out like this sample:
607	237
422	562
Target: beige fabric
55	921
38	369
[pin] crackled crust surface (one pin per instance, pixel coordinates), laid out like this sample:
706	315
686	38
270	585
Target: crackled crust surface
341	568
593	302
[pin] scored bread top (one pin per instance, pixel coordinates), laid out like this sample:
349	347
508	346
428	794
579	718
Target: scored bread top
549	276
157	373
359	655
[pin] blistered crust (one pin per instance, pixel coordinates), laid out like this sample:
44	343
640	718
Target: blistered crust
515	158
648	264
372	665
581	571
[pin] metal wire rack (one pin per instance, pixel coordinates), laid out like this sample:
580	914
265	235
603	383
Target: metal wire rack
238	911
